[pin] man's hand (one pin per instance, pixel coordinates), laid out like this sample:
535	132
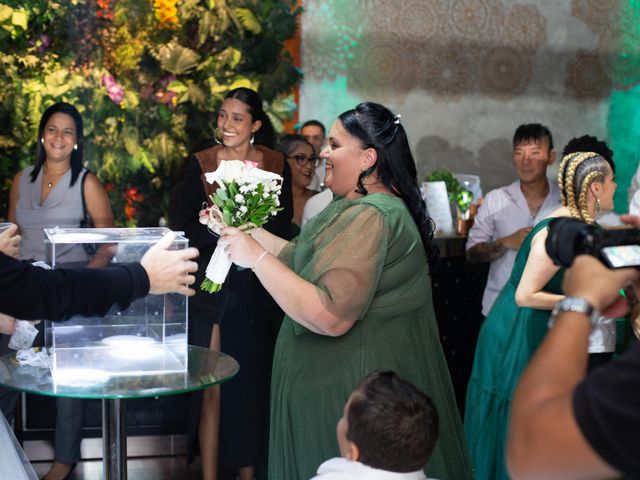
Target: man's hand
514	241
489	251
169	270
10	241
7	324
589	278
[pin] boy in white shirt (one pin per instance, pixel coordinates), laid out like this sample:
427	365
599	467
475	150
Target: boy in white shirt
387	431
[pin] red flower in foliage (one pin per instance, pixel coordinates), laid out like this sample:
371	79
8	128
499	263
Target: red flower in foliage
129	212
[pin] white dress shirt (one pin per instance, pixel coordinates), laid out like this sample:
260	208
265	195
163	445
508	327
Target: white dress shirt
504	211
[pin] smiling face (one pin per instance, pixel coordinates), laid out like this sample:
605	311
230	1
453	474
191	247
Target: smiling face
235	123
59	137
301	174
531	160
345	160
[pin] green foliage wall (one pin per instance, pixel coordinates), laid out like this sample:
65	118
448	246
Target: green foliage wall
147	77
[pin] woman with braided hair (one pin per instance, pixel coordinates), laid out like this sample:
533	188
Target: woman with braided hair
518	319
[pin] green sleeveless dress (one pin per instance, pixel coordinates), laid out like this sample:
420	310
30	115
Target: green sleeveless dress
508	339
368	263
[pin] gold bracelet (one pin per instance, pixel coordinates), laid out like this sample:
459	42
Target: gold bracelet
255	265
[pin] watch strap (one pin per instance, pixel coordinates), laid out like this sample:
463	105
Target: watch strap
575	304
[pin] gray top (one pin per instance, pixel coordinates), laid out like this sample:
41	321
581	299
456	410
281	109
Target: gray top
62	207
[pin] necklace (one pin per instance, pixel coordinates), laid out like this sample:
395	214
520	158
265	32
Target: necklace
50	183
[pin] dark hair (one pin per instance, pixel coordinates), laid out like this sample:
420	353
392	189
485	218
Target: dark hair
588	143
376	127
393	423
531	132
76	154
265	134
288	142
314	123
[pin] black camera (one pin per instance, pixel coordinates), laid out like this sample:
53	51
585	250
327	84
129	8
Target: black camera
615	247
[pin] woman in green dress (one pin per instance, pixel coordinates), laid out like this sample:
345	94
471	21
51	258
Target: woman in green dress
356	292
518	319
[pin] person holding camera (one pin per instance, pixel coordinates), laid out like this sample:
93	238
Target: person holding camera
517	322
566	424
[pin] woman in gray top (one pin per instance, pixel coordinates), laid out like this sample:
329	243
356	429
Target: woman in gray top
49	194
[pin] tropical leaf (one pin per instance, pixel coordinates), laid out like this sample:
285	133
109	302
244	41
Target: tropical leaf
20	18
244	82
196	95
130	138
249	20
175	58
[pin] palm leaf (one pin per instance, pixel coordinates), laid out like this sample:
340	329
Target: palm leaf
175	58
249	20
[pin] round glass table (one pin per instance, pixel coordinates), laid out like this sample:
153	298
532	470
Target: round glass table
205	368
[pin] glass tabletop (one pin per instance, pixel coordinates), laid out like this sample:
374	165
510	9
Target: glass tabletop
205	368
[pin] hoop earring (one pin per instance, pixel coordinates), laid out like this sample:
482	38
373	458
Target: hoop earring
597	205
216	134
253	139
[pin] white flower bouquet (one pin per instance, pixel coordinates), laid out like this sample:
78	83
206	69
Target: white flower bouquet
246	197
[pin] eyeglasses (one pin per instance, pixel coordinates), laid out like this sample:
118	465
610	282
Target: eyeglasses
302	160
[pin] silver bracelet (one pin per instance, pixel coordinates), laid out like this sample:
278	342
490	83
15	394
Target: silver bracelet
255	265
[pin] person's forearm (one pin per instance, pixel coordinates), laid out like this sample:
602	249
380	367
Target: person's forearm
540	300
298	298
33	293
543	395
486	251
270	242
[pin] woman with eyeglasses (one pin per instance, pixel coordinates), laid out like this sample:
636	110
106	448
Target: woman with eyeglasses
230	421
303	162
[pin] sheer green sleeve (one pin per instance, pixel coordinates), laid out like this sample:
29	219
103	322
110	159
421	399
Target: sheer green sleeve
344	259
286	254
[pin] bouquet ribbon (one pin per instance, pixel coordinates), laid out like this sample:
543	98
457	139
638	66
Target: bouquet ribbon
220	262
246	197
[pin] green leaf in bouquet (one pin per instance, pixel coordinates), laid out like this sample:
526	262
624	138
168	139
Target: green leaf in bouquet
222	194
209	286
218	201
229	204
233	189
226	216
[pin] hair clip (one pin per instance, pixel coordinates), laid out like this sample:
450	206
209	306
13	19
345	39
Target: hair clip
397	119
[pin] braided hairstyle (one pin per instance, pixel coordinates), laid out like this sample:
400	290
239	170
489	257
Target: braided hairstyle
376	127
576	173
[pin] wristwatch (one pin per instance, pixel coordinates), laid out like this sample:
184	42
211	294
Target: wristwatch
575	304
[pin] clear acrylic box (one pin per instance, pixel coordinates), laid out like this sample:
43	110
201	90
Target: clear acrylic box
150	337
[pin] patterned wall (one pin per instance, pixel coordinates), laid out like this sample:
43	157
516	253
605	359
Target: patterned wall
465	73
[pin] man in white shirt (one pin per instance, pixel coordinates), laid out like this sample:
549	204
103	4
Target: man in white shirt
508	213
315	134
387	431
